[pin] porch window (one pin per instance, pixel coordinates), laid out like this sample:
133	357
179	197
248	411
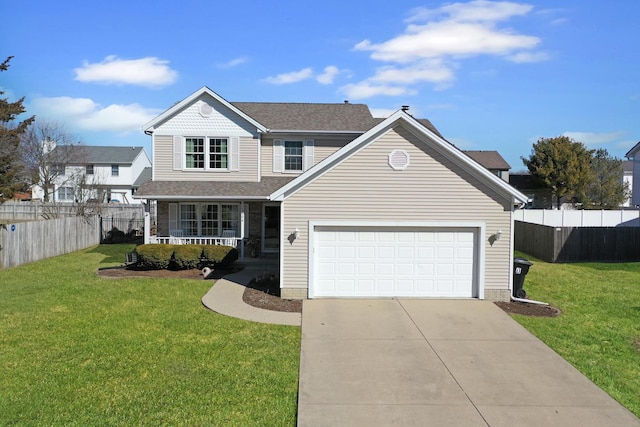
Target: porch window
293	155
194	153
209	215
230	219
188	220
218	153
207	219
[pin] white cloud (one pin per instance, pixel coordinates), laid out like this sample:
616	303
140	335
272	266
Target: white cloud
329	75
525	57
148	71
593	139
436	41
234	62
367	90
85	114
292	77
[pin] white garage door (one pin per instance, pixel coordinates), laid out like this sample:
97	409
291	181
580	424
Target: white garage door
393	262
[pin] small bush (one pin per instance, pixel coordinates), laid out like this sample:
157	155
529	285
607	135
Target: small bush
154	256
219	255
186	257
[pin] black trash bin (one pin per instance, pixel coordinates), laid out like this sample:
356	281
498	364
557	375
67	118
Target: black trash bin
520	269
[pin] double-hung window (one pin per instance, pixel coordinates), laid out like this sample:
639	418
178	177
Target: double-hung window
218	153
206	153
206	219
66	194
89	170
115	170
292	155
194	153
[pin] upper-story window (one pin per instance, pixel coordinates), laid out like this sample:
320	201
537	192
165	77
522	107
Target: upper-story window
206	153
194	153
58	169
115	170
89	170
292	155
218	153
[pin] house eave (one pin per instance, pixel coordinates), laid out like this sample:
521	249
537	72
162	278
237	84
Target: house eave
198	198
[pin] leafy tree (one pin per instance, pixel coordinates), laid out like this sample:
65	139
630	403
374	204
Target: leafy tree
11	167
562	165
607	190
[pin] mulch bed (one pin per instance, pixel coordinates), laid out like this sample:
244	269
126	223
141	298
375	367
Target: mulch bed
264	292
528	309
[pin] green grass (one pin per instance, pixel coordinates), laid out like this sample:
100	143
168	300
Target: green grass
78	350
599	329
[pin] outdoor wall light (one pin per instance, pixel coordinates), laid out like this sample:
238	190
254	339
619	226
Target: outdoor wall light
498	234
296	233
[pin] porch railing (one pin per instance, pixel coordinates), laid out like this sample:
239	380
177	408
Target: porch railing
195	240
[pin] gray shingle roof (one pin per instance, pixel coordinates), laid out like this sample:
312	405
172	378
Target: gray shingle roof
491	160
144	176
93	154
211	190
310	117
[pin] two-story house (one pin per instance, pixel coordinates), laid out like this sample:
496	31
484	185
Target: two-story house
352	205
103	173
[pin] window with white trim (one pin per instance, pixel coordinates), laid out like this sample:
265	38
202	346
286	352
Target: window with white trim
292	155
115	170
194	153
66	194
209	153
89	170
207	219
218	153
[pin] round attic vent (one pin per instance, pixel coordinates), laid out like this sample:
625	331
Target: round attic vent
206	110
399	160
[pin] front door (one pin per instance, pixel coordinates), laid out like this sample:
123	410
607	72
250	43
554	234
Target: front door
270	228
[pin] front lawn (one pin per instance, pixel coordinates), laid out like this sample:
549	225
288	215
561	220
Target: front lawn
78	349
598	331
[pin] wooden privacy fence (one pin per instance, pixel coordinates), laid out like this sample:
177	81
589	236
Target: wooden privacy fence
578	244
32	241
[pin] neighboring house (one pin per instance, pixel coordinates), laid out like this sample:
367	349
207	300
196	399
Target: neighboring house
627	167
103	173
491	160
539	196
353	206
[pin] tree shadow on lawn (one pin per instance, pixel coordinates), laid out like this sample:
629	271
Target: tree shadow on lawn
112	253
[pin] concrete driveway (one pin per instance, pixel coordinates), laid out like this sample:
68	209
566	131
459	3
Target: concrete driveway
437	362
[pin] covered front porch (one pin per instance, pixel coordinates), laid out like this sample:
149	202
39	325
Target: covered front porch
253	228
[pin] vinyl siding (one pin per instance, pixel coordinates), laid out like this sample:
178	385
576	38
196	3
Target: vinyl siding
364	187
323	146
163	163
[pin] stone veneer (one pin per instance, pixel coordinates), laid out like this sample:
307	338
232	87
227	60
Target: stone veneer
497	295
293	293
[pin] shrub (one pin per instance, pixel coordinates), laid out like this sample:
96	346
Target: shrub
154	256
186	256
219	255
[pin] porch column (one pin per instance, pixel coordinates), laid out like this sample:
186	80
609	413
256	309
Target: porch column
147	224
241	231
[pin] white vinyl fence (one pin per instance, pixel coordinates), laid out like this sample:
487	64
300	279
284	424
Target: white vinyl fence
25	242
579	218
20	211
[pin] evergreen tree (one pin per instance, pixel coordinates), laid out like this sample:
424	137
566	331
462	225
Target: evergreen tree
11	167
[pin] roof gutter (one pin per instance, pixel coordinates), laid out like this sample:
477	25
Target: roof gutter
164	197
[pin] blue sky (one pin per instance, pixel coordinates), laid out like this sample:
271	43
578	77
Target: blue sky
489	75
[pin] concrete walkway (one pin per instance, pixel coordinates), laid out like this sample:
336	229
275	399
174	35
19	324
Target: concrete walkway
225	297
437	362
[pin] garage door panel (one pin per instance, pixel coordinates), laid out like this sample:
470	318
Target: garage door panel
354	262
